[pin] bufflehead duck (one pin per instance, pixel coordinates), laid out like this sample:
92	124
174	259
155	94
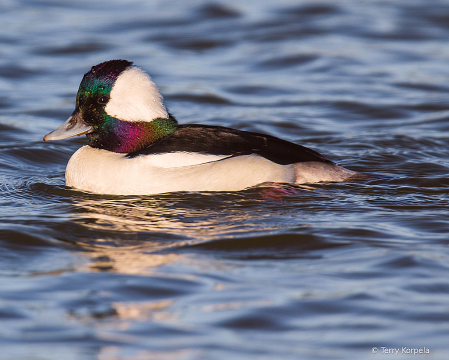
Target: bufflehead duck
136	146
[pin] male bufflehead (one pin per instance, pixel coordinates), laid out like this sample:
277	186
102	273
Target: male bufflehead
136	146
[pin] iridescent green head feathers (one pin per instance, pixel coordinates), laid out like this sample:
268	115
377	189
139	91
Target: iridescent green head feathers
120	109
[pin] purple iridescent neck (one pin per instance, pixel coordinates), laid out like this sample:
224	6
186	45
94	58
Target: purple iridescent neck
127	137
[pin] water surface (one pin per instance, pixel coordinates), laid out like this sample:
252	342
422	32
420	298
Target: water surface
322	272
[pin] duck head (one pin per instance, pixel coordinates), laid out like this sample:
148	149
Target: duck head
119	108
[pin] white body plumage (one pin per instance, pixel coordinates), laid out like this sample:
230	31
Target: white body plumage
106	172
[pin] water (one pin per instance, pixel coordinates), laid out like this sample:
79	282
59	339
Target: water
324	272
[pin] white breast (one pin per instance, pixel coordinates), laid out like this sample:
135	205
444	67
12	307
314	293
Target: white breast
106	172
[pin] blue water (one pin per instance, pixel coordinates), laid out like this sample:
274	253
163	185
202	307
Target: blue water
321	272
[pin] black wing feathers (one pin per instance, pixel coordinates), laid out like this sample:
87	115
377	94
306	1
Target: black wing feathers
219	140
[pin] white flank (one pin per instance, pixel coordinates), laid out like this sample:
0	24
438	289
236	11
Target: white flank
177	159
135	97
106	172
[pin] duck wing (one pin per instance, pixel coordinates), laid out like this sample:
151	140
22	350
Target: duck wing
219	140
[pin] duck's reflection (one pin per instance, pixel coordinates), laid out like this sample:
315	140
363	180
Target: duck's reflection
146	310
179	217
135	235
132	261
151	237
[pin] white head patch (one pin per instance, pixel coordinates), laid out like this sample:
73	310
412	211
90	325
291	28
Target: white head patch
135	97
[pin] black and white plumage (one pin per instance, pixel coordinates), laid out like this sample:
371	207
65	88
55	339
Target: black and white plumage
137	147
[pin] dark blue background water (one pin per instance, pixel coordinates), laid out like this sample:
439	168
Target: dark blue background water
327	272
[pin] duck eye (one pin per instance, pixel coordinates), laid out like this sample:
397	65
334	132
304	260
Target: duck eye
103	99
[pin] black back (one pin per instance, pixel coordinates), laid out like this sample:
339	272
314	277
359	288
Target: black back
218	140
